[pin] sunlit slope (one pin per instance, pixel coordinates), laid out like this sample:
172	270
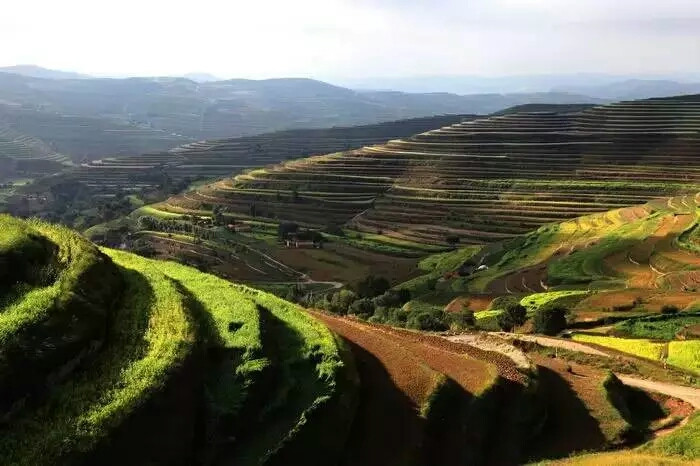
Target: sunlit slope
103	348
479	181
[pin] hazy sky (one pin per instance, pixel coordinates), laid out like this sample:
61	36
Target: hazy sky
352	38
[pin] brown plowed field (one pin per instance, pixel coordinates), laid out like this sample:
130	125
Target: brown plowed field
387	428
398	370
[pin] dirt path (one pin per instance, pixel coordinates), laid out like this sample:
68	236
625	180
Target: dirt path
488	342
553	343
688	394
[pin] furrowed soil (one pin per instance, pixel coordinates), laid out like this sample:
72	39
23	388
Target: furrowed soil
399	370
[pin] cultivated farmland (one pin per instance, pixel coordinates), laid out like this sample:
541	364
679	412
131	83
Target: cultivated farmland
214	159
121	346
479	181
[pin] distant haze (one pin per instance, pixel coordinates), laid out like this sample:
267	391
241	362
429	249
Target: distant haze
345	40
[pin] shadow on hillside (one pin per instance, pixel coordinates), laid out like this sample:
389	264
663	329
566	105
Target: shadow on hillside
276	403
171	411
387	428
569	426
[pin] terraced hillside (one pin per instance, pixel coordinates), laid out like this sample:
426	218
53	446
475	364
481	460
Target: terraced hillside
634	272
219	158
101	348
27	157
122	346
96	118
86	137
478	181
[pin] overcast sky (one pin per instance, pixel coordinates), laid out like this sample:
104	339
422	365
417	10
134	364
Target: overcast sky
330	39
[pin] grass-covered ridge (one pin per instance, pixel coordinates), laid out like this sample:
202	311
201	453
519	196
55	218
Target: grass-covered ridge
128	346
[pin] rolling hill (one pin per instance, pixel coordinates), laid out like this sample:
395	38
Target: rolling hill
477	181
96	118
218	158
122	346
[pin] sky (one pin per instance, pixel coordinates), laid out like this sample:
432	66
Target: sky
345	39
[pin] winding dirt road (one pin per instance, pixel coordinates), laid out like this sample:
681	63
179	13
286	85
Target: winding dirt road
688	394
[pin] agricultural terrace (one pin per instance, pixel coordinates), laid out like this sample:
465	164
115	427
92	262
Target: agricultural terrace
614	265
220	158
121	346
482	180
103	348
431	401
22	156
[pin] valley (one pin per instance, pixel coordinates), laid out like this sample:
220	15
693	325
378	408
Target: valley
458	289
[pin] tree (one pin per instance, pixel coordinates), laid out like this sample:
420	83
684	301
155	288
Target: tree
286	229
452	240
217	215
426	320
341	301
462	320
372	286
513	316
550	321
393	298
362	307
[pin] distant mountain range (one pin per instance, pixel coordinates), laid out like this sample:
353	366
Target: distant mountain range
33	71
94	117
602	86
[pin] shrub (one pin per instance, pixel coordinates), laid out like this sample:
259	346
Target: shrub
427	320
669	309
372	286
393	298
452	240
341	300
513	316
550	321
462	320
362	307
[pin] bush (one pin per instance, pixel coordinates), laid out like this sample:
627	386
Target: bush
513	316
550	321
372	286
393	298
669	309
362	307
341	300
427	320
462	320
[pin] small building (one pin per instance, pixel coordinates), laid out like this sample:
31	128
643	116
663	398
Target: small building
239	228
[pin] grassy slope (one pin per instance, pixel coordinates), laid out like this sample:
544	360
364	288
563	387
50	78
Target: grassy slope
152	334
164	313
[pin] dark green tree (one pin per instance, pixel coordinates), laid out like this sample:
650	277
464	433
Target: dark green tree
550	321
513	316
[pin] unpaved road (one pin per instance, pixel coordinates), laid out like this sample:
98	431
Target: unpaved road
553	343
688	394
